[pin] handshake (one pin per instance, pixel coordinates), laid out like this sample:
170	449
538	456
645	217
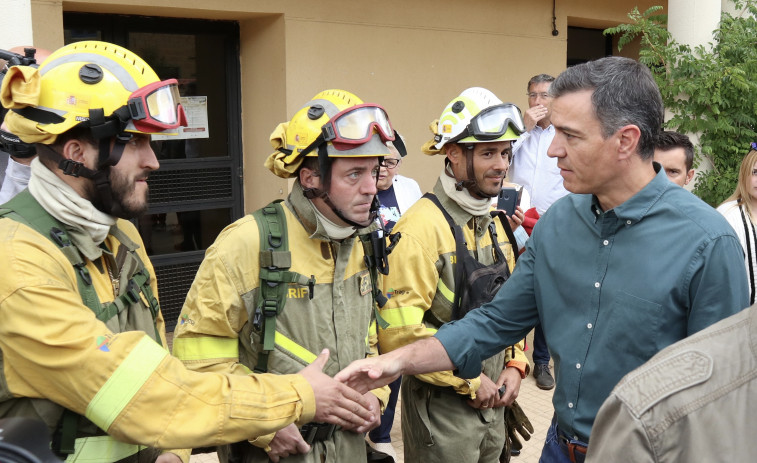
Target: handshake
345	399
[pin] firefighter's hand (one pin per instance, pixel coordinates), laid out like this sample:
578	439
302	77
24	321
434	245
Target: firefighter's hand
335	402
168	457
369	396
516	422
286	442
487	394
511	379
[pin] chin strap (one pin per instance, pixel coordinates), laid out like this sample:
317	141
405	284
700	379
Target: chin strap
312	193
470	183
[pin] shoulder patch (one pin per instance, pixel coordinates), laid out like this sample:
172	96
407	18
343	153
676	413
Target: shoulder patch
644	388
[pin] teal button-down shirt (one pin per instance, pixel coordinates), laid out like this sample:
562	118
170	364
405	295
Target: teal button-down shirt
611	289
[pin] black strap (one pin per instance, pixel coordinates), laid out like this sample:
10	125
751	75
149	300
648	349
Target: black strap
749	243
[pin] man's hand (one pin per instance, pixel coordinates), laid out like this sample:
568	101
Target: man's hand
370	397
510	378
487	394
334	402
533	116
286	442
370	373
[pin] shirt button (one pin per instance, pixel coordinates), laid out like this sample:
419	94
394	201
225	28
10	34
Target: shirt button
596	285
589	325
605	242
570	404
628	222
578	366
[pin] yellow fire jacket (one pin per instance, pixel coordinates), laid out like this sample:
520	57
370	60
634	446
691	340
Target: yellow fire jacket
215	330
56	353
421	283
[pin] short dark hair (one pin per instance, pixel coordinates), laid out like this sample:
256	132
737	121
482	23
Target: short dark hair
51	156
624	92
539	79
668	140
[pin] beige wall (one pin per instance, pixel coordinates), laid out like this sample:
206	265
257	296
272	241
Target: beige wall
411	57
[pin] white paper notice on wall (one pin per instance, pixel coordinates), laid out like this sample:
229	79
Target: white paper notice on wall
196	109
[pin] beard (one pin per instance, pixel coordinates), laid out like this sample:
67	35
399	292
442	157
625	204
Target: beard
126	202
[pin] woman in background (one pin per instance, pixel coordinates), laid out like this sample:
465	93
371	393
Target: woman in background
740	209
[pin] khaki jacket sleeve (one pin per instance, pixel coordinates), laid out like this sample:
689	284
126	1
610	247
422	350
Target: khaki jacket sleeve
516	357
617	435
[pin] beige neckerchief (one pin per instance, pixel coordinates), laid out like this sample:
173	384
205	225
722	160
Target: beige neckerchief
471	205
333	231
87	226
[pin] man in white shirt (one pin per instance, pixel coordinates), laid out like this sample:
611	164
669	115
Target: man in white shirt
531	166
540	176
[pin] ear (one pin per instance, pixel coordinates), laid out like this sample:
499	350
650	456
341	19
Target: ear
75	150
689	176
628	141
454	153
309	178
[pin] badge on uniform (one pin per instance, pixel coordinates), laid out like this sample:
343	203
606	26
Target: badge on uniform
365	283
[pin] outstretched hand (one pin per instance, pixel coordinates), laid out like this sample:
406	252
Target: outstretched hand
335	402
370	373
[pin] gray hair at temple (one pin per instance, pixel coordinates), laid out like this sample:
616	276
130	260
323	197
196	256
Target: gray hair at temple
538	79
625	93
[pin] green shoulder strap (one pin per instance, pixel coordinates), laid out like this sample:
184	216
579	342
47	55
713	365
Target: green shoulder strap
275	261
37	218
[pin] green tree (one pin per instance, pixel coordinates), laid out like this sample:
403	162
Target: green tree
710	90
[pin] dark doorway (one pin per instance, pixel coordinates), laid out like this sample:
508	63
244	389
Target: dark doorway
198	189
586	44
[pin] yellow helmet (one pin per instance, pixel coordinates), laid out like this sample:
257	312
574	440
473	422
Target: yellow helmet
97	84
476	116
336	123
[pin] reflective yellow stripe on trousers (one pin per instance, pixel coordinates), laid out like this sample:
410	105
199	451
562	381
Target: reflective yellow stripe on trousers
101	449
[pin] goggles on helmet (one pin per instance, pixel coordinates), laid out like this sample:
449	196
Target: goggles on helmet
157	107
492	122
355	126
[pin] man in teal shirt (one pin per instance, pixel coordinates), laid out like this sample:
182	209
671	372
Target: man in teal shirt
625	267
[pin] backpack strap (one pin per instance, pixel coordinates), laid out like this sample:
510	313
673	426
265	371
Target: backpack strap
37	218
275	261
461	250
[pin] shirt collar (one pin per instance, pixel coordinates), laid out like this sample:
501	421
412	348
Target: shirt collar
634	208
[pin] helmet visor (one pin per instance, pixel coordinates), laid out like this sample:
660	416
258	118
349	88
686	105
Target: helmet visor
492	123
157	107
356	125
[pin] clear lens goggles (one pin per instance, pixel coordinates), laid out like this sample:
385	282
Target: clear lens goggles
355	126
157	107
492	123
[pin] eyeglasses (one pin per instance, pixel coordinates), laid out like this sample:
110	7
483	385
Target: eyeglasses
534	94
492	123
390	163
